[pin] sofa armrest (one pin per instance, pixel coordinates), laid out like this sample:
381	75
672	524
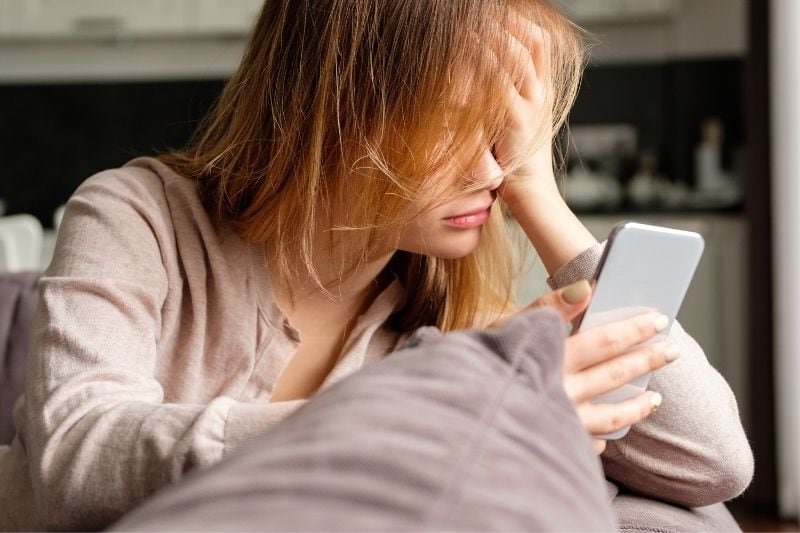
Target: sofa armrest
18	301
640	514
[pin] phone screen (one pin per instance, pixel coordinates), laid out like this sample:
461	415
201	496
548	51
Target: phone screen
643	268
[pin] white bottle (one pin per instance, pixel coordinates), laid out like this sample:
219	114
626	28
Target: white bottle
713	183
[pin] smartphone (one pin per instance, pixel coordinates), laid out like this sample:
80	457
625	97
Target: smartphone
643	268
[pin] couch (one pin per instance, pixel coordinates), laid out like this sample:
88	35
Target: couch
17	307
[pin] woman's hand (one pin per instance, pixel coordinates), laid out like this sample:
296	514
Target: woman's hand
530	191
525	57
606	357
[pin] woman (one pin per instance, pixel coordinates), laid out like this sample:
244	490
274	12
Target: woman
339	196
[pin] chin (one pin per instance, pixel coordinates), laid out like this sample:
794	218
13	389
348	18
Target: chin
458	246
442	241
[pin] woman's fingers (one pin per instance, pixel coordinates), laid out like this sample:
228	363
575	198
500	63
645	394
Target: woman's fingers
535	39
599	445
521	68
536	42
498	54
522	54
600	343
569	301
614	373
600	419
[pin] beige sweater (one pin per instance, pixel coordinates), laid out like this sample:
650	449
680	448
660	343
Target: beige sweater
157	344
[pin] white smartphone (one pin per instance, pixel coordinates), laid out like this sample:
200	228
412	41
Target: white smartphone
643	268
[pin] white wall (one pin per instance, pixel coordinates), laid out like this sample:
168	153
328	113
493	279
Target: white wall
702	28
97	40
74	61
785	115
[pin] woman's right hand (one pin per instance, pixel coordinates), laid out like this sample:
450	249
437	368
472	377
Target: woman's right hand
606	357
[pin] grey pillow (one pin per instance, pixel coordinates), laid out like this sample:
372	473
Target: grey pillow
466	431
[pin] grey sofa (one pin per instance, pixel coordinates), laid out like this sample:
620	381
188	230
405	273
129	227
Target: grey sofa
18	299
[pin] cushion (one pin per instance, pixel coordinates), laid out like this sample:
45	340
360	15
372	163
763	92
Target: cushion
469	430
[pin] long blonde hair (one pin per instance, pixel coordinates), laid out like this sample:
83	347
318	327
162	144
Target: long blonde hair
378	96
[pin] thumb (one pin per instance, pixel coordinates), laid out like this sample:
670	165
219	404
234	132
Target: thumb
569	301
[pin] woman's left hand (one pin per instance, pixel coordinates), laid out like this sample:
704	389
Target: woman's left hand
525	56
530	190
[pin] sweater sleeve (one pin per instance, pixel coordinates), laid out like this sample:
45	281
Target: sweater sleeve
693	450
99	435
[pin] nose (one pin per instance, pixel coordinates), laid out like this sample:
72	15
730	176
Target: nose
488	170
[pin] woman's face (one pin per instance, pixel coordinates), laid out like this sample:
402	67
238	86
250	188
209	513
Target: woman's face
453	230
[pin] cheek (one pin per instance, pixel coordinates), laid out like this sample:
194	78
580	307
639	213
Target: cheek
424	229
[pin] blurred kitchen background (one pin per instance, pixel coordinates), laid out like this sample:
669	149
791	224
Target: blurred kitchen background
671	127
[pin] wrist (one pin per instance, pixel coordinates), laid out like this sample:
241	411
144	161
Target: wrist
524	194
553	229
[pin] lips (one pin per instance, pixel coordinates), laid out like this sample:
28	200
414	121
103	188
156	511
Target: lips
470	219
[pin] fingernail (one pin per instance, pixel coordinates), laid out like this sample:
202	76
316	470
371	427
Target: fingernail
655	400
661	322
576	292
672	352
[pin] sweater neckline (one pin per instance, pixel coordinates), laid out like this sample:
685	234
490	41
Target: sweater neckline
385	303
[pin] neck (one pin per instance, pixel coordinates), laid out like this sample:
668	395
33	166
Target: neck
345	295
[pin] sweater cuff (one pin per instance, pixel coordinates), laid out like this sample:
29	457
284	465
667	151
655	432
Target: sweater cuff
580	267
